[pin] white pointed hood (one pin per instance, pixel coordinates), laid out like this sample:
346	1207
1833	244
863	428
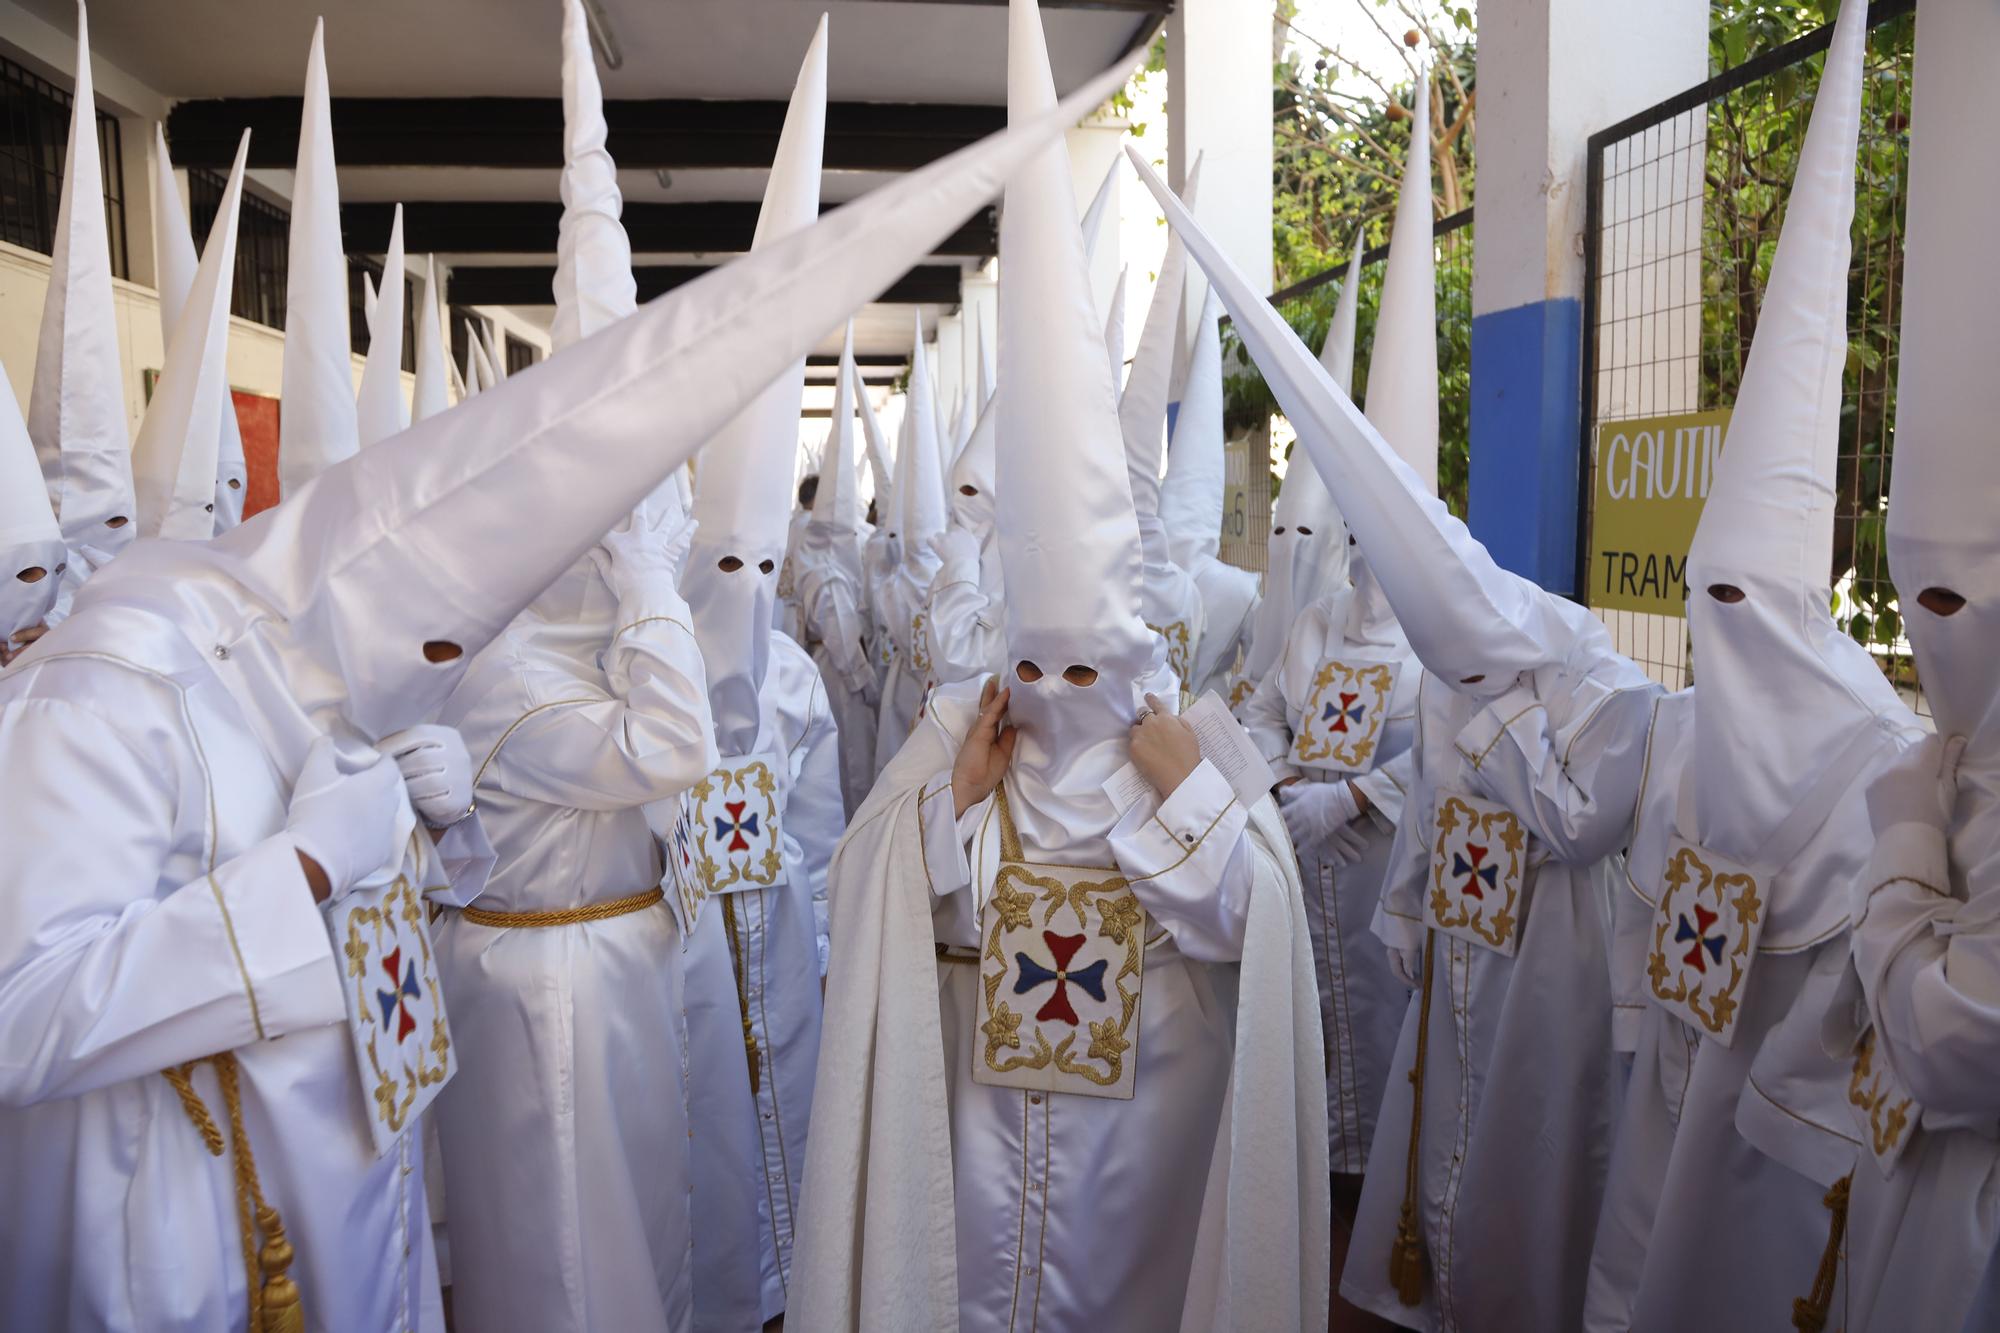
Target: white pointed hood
380	411
1488	623
1402	372
491	362
1142	408
318	424
174	268
32	554
1114	330
1308	554
744	497
478	373
1191	495
1069	538
433	365
1093	217
879	461
328	612
920	480
174	458
594	284
830	546
1780	690
76	413
1945	489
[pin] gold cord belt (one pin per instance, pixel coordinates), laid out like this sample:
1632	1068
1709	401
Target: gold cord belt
1406	1255
568	916
274	1298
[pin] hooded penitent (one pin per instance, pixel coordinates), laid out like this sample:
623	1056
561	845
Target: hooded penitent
318	425
832	539
1114	332
1309	546
1093	217
76	414
1142	407
1781	691
174	458
380	411
1191	495
174	260
878	453
1079	653
31	544
1945	492
1470	621
920	507
433	365
743	493
356	603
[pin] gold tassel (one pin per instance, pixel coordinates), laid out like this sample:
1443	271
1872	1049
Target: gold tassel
1809	1312
283	1311
743	998
1407	1264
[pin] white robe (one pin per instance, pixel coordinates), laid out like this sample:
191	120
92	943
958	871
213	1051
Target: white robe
776	960
1228	608
901	604
935	1202
788	616
1922	1238
155	914
834	604
565	1134
968	620
1724	1155
1362	1001
1520	1084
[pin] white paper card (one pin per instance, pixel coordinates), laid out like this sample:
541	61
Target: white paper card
1223	742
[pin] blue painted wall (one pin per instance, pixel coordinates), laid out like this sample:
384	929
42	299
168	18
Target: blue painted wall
1525	419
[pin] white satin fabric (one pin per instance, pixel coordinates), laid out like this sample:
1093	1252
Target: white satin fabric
1229	601
1687	1189
777	958
968	618
565	1134
834	600
1362	1002
1920	1237
1521	1085
155	914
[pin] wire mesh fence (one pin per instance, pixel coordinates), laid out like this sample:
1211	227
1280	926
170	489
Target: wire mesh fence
1308	307
1684	209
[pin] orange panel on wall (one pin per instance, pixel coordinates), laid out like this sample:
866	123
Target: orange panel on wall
257	418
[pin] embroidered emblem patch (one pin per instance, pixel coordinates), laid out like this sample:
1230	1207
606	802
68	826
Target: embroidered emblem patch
738	843
1479	854
1060	973
1704	942
687	890
1341	724
1883	1110
920	644
1176	636
395	1015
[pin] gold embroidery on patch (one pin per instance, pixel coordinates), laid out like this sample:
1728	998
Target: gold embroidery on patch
920	647
1868	1089
1369	685
394	1096
753	776
1686	867
1176	635
1499	929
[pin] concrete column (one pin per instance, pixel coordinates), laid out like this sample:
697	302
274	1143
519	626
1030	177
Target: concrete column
1219	104
1551	73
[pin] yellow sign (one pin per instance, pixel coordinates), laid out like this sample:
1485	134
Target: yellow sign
1652	476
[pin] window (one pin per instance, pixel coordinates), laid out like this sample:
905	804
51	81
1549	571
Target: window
34	143
357	309
263	246
520	355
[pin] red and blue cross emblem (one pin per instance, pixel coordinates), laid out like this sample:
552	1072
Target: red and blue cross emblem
395	1001
1474	871
1062	949
1348	710
1695	934
734	827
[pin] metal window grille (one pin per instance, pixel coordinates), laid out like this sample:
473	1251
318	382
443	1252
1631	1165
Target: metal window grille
263	246
520	355
1308	305
357	310
34	144
1684	206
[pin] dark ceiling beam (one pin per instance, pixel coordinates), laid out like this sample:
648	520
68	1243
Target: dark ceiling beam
862	359
928	284
831	375
465	227
1160	7
528	132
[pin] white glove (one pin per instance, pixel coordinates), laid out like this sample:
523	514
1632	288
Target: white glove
352	823
1408	965
635	553
436	770
956	546
1919	788
1318	815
